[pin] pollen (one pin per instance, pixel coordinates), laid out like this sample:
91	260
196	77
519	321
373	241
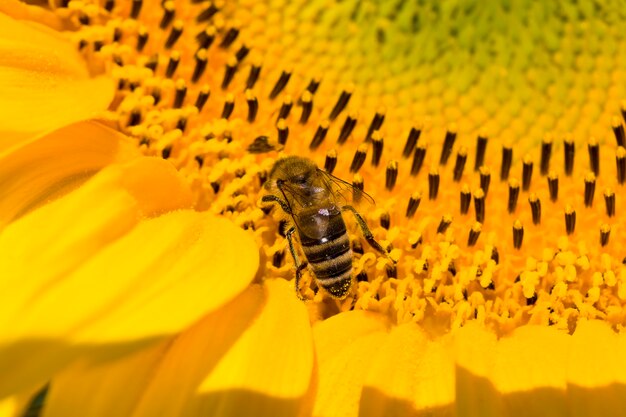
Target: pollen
428	113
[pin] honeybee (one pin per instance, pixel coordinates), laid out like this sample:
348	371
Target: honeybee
315	201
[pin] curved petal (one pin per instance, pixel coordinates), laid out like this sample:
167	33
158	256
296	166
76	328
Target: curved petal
44	82
252	357
596	378
410	375
530	369
28	13
46	167
345	345
82	277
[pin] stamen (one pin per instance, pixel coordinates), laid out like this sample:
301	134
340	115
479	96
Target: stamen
495	256
342	102
513	195
411	141
229	38
546	154
109	5
605	233
623	110
229	106
474	233
331	161
418	159
433	184
448	143
466	198
391	271
207	13
242	53
377	148
618	131
357	247
166	152
385	220
307	107
182	123
117	34
206	37
172	64
134	118
203	96
168	14
414	203
553	186
527	172
277	258
229	73
359	158
142	38
594	156
376	123
569	152
97	45
201	61
357	188
177	30
181	92
156	95
570	219
485	179
609	200
255	70
320	135
391	175
535	207
283	131
620	160
481	148
135	9
590	189
507	158
445	222
518	234
313	86
253	106
479	205
285	108
459	165
280	85
346	129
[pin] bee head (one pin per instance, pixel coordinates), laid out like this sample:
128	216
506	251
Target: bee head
293	171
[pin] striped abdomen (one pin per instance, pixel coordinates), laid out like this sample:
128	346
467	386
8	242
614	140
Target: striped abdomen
330	256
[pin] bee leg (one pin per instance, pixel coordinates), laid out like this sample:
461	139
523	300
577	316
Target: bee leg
270	198
299	266
366	231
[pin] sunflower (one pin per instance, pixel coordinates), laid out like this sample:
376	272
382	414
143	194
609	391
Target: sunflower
491	137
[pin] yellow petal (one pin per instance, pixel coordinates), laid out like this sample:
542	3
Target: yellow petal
475	395
345	345
46	167
254	356
44	82
21	11
530	369
410	375
596	371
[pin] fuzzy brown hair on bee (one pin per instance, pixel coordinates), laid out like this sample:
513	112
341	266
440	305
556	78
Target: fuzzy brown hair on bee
315	201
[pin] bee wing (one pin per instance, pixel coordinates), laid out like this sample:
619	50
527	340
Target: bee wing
346	193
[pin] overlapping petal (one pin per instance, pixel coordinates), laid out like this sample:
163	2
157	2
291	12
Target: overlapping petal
99	273
45	167
254	356
45	83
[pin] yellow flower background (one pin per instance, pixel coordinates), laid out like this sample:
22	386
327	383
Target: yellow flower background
141	275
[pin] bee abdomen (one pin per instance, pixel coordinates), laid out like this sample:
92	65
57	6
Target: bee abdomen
331	262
